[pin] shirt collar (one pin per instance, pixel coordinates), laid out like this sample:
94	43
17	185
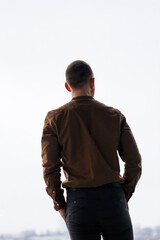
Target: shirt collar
82	97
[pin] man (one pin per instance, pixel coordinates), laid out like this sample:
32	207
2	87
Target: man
84	136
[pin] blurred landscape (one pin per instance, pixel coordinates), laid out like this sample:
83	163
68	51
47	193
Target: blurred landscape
147	233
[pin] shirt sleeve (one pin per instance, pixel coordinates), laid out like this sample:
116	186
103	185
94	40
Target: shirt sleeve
129	153
51	162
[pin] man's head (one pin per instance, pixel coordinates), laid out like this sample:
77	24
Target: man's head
79	76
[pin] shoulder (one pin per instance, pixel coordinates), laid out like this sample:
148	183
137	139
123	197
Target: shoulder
109	109
55	113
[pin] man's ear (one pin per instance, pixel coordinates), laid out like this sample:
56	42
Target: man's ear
92	83
67	87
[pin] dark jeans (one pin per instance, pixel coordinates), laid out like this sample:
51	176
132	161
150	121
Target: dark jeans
92	212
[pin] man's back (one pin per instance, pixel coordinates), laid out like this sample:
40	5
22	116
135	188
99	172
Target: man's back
90	135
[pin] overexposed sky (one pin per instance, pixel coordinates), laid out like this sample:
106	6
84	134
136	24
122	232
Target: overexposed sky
120	39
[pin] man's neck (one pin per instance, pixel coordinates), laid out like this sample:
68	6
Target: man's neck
80	93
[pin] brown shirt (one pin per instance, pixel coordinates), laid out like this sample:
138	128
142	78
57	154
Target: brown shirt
84	137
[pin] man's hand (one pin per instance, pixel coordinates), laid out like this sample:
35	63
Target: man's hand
62	211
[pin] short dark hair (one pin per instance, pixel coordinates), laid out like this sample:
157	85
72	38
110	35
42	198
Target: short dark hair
78	73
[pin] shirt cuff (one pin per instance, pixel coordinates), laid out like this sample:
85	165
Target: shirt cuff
59	204
128	194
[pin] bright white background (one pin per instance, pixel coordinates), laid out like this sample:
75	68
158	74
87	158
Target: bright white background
120	39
